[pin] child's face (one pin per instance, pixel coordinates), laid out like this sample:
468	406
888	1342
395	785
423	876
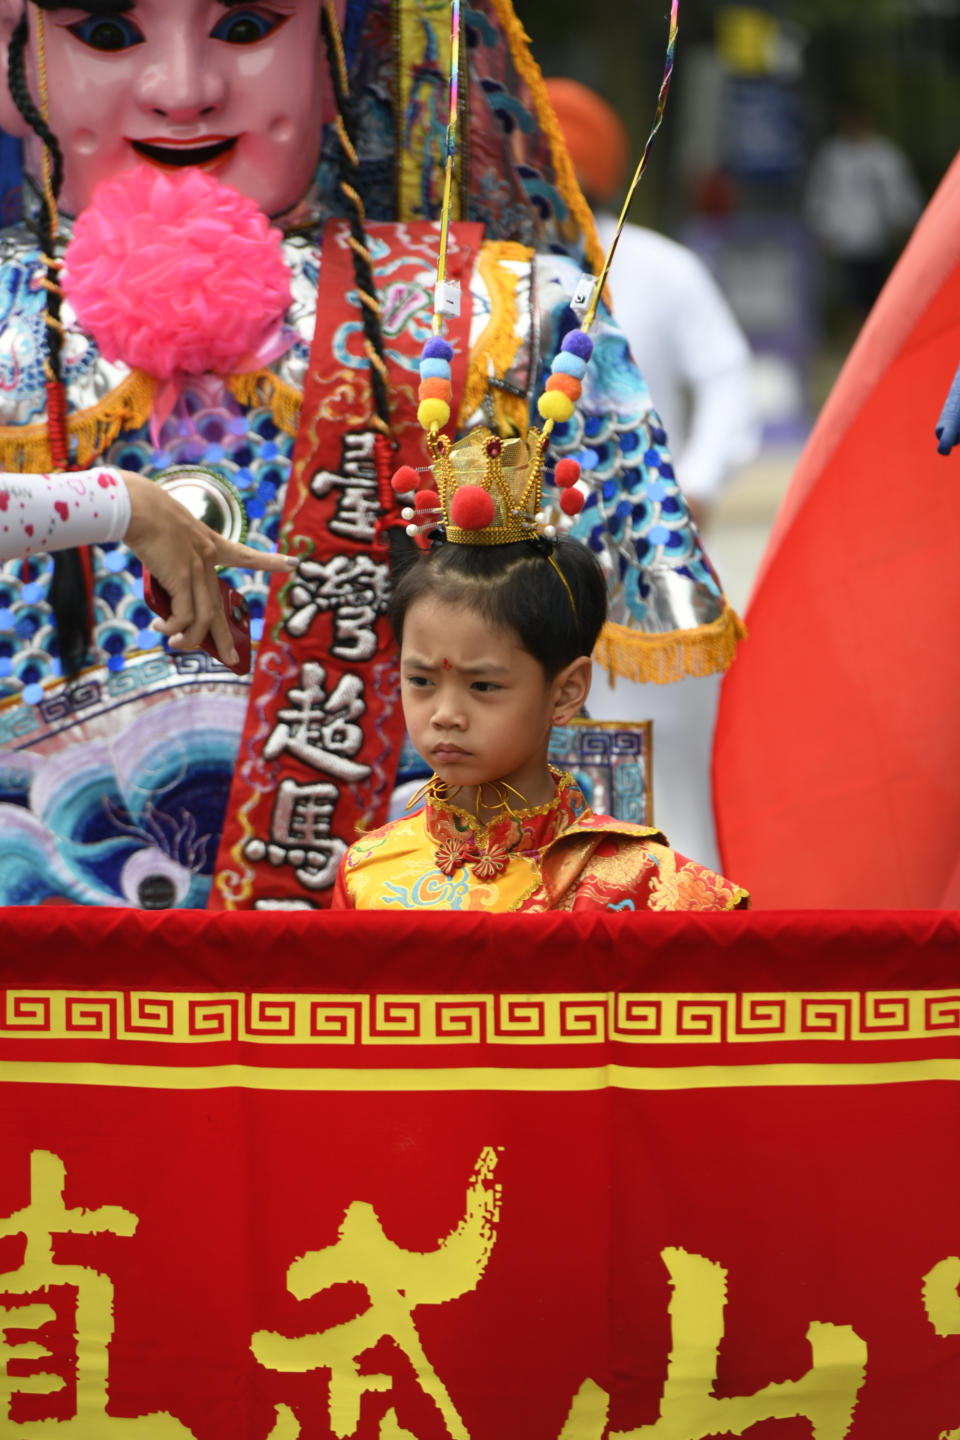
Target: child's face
478	706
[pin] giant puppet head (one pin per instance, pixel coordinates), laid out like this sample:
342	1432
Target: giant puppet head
243	88
238	88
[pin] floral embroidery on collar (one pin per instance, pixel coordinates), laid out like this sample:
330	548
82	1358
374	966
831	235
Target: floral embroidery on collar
460	840
451	854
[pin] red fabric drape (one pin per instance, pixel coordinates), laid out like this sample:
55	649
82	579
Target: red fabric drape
504	1178
836	781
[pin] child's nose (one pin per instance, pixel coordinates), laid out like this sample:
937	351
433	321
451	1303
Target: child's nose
448	712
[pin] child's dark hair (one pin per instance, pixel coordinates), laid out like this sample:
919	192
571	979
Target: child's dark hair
515	587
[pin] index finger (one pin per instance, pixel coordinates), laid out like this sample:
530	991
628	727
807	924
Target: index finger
231	553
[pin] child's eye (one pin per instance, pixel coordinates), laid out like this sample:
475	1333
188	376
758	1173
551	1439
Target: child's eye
486	687
419	682
245	27
117	33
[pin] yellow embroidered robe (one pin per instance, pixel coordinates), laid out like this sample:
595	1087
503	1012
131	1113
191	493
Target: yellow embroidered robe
559	856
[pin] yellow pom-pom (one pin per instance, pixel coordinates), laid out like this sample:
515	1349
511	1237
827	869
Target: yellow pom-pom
436	412
554	405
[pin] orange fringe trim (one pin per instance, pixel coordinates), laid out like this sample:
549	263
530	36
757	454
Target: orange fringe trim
26	448
532	76
262	387
675	655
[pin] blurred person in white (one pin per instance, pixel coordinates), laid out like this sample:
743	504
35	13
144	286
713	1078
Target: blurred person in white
696	362
862	200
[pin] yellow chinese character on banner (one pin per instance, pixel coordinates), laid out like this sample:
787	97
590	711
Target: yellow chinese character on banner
44	1217
689	1410
396	1282
941	1301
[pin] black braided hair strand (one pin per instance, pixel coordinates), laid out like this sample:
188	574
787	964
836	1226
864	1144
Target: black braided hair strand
68	588
362	267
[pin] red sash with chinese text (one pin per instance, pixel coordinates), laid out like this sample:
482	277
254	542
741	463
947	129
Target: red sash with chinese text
324	725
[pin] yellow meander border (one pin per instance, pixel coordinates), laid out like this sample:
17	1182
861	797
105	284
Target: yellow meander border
573	1019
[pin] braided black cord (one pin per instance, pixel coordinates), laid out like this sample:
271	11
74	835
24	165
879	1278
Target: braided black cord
361	264
20	94
68	591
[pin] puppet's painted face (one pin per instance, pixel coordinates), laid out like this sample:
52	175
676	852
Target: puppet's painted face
238	88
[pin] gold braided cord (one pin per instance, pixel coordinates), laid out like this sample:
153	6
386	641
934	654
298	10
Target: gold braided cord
346	142
371	302
27	447
354	197
338	50
376	360
359	249
48	195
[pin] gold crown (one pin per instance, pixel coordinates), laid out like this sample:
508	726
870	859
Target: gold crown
489	489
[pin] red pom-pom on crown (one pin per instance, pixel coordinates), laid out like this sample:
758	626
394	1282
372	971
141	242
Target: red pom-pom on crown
404	480
567	473
572	502
426	502
472	508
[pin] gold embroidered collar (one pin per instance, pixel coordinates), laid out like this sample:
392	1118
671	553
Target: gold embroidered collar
459	839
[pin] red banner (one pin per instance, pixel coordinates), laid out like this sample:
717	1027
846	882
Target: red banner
493	1178
319	753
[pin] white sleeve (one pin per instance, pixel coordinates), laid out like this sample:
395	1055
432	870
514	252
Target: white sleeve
42	513
723	434
715	364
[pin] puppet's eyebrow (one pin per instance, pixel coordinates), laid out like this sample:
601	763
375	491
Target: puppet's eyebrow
115	7
93	7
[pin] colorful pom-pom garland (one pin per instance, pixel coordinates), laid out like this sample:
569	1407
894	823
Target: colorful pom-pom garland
436	387
563	388
473	507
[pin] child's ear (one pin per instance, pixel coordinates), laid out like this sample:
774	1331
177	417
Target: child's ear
570	690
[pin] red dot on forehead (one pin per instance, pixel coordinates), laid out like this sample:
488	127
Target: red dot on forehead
446	664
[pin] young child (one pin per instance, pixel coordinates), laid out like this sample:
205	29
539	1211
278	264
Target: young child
495	649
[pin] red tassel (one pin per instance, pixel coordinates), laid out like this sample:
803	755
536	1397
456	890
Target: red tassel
57	424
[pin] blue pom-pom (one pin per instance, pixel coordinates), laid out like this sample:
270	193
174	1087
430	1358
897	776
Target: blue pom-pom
568	364
577	342
434	370
437	348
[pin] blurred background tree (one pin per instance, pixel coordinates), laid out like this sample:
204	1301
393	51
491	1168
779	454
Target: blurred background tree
897	59
759	85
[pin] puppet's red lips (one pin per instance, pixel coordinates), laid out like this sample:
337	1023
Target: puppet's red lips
177	155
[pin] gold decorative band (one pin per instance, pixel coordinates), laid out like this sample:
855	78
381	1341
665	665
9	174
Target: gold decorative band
319	1021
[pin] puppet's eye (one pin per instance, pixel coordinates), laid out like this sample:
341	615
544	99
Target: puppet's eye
117	33
245	27
151	880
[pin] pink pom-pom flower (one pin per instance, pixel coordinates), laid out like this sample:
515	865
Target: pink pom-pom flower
178	274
